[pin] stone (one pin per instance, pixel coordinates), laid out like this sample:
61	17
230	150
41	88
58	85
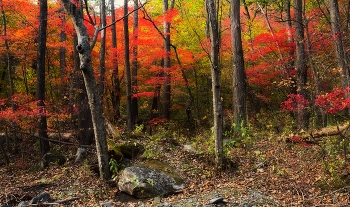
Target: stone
52	157
189	148
143	181
217	200
23	203
43	197
106	204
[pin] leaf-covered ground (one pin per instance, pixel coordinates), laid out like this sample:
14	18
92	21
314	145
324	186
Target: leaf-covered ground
269	173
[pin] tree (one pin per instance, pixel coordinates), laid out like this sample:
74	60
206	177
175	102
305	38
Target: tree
166	61
84	50
130	120
300	62
102	46
239	78
41	55
85	133
338	44
134	99
115	74
211	7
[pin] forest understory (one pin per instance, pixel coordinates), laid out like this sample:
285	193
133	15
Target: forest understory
270	171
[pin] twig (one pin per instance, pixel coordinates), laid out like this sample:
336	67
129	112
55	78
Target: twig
58	141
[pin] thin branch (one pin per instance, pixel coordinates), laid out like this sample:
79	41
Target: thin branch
111	24
91	21
57	141
175	50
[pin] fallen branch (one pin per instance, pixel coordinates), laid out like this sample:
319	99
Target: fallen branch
58	141
316	135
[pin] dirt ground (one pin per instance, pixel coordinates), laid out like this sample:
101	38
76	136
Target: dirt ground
270	173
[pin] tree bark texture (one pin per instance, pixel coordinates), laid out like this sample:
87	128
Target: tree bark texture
239	77
130	120
102	47
300	62
166	64
211	7
134	99
40	91
115	75
84	50
339	44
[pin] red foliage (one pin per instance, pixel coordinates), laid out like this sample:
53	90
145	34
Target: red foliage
294	102
335	101
157	121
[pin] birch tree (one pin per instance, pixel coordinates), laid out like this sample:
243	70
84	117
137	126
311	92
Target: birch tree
84	49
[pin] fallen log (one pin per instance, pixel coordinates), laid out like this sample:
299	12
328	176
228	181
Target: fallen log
316	135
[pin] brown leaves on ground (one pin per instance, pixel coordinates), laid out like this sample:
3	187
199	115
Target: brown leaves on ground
282	174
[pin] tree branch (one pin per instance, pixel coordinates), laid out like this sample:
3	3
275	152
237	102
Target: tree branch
57	141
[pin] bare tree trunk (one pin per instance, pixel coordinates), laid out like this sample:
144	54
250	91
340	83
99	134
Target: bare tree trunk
130	120
166	64
85	132
134	99
211	7
320	117
115	75
9	71
63	64
300	62
102	47
239	77
84	50
338	43
41	54
8	55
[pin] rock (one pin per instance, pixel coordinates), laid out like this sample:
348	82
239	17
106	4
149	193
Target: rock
146	182
217	200
189	148
52	157
43	197
126	150
106	204
23	203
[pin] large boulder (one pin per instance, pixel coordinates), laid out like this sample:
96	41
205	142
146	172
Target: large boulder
145	182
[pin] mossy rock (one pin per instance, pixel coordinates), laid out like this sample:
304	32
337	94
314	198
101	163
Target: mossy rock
164	167
120	151
130	151
52	157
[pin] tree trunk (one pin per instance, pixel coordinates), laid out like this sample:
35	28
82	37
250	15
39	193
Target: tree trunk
63	64
134	100
211	7
239	77
115	75
85	132
338	43
300	63
102	47
42	127
8	55
130	120
166	64
84	50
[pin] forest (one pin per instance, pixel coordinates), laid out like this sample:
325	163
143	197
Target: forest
247	101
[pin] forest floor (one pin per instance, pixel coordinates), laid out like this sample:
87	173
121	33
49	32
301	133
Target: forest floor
271	172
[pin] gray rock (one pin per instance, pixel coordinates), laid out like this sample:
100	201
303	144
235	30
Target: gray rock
146	182
43	197
23	203
217	200
106	204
